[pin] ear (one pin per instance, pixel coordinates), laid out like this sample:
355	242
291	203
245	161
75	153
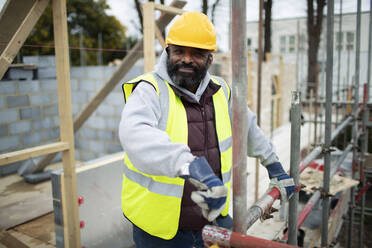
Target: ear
210	59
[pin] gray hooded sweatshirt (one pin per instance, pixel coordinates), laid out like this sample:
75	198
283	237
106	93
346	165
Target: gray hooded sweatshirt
151	150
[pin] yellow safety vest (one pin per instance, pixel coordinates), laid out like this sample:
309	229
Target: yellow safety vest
153	203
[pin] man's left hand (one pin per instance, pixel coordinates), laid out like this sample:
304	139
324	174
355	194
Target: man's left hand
281	180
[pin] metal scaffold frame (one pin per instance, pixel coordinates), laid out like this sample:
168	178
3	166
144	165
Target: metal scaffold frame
244	219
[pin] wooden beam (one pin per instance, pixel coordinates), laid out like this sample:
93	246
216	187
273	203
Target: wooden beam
148	36
19	37
159	36
16	156
10	241
129	60
11	17
71	222
168	9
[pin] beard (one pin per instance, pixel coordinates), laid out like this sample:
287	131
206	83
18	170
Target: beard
186	79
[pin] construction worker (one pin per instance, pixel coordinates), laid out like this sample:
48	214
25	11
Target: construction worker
175	130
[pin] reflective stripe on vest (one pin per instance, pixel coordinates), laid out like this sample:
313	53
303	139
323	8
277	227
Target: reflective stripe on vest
153	203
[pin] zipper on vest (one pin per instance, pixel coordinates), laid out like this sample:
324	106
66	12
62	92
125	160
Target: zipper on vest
205	131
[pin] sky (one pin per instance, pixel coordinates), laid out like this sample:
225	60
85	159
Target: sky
125	11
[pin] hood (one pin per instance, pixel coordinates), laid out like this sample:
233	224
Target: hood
161	70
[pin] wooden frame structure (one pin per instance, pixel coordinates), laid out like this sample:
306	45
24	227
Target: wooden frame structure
20	16
16	37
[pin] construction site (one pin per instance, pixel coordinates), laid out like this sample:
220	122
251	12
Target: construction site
61	161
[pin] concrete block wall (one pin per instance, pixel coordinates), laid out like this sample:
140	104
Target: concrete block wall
28	116
29	110
99	134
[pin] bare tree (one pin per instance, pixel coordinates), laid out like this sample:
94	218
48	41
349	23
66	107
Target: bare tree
314	29
267	26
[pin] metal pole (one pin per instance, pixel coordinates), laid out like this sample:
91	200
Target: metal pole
259	74
295	163
364	143
328	124
355	125
99	53
239	113
213	235
340	37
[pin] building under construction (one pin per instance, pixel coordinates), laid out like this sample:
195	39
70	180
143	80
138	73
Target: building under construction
61	162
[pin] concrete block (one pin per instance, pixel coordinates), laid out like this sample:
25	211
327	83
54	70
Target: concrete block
20	127
8	87
17	101
75	108
46	72
40	61
77	72
112	148
41	99
15	73
10	142
48	85
87	155
115	98
74	84
84	144
96	146
43	123
8	115
28	86
32	138
108	71
4	130
88	85
2	102
106	110
56	120
10	168
50	110
97	122
105	135
30	113
112	123
50	134
79	97
95	72
88	133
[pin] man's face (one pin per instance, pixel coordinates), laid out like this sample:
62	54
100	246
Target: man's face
187	66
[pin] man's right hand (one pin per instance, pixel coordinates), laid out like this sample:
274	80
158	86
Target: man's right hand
211	194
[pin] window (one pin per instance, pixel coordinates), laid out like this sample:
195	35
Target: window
292	43
350	40
249	44
339	40
282	44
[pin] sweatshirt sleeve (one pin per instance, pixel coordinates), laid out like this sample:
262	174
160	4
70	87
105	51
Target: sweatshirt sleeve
149	148
259	145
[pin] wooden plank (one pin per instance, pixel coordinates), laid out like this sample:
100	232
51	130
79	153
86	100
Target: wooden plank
159	36
24	154
21	34
71	224
21	202
11	17
168	9
129	60
10	241
148	36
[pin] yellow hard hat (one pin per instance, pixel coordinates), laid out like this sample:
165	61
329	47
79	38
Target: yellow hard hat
193	29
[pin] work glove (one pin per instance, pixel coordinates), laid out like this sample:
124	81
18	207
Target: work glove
211	193
281	180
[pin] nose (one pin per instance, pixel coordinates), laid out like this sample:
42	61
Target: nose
187	58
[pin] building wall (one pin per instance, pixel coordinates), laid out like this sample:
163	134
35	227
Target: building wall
29	109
